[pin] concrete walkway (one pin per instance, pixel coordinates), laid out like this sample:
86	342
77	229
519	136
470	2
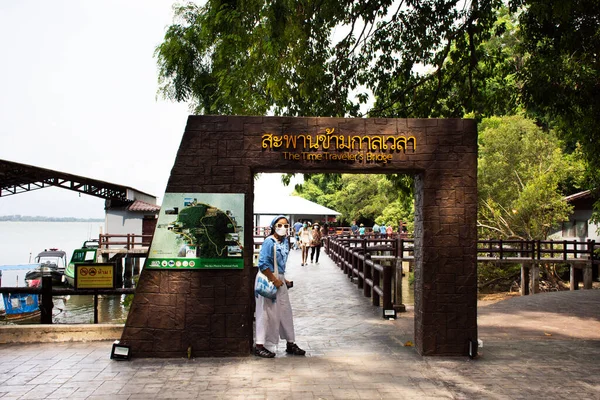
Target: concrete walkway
545	346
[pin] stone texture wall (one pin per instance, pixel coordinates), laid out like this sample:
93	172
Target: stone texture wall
212	311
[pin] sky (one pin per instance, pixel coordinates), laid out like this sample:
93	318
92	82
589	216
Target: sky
78	94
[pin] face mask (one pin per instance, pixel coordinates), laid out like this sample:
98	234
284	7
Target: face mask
304	225
281	231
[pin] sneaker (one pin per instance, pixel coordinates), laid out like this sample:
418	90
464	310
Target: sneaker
263	352
292	348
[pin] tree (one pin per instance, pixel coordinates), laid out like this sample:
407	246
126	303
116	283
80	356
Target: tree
427	58
520	171
560	74
287	57
360	197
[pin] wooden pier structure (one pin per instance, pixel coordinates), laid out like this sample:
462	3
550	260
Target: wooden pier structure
375	263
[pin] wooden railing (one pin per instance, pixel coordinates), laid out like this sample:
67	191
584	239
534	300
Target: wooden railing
537	250
357	258
47	291
376	280
128	241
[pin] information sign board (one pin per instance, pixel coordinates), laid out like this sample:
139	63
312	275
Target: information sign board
95	276
199	231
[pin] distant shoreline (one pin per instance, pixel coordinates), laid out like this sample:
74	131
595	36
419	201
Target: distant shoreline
27	218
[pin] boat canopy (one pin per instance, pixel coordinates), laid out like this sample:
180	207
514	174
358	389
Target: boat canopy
52	253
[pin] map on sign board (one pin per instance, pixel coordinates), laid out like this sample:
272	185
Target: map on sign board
198	231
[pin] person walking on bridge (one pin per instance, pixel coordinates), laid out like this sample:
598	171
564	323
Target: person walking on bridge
305	238
315	244
274	317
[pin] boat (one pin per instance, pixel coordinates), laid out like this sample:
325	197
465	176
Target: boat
86	254
21	307
51	262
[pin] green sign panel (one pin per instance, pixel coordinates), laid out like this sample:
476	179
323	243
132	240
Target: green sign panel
199	231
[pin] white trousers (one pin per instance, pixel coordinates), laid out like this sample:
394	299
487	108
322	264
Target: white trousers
274	319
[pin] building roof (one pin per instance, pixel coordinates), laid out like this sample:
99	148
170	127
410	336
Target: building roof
142	206
576	196
17	178
289	205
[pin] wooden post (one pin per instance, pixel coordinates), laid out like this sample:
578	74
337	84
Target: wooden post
128	271
524	279
587	275
47	304
387	287
376	280
119	272
95	307
573	284
136	266
535	278
367	271
398	304
360	266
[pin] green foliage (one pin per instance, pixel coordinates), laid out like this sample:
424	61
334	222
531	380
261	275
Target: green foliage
128	300
252	57
519	173
320	57
476	74
428	58
560	74
363	198
497	277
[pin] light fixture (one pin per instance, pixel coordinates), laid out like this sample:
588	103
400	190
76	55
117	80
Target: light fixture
389	314
119	351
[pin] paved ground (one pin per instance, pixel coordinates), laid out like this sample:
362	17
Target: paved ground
545	346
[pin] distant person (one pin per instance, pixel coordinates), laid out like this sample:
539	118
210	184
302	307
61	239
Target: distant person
382	231
315	243
361	230
354	228
304	235
389	230
297	227
274	318
324	232
376	230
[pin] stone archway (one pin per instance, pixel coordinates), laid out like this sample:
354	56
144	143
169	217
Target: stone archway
211	311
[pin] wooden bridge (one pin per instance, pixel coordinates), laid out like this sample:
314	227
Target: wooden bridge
376	263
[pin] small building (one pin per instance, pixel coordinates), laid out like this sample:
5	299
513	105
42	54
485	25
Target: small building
135	215
579	226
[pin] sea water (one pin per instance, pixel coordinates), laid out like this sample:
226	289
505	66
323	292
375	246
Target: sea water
20	242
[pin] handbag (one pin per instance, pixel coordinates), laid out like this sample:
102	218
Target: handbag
264	286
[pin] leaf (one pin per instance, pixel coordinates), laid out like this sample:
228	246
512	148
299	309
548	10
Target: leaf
408	344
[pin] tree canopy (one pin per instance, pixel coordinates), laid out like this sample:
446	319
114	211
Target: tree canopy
425	58
520	172
320	58
365	198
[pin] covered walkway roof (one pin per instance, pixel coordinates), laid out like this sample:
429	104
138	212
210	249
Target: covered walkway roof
289	205
293	206
18	178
